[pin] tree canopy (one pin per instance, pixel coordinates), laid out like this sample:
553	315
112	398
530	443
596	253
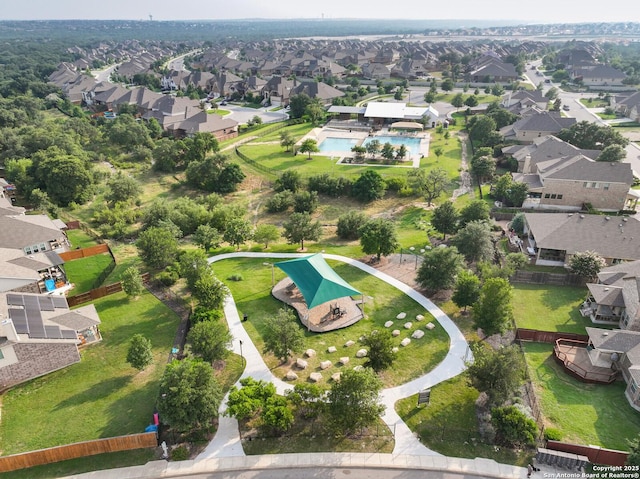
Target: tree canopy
591	136
439	268
379	237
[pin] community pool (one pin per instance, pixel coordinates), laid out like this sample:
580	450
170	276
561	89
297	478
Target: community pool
412	144
331	143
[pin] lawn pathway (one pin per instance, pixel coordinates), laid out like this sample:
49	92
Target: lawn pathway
227	439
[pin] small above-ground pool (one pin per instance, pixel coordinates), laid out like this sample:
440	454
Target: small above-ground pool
338	144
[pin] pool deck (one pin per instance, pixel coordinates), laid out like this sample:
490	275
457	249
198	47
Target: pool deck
320	134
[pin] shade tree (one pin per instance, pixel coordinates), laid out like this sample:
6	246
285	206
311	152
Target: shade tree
379	237
439	268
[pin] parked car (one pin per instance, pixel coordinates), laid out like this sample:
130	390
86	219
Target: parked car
565	107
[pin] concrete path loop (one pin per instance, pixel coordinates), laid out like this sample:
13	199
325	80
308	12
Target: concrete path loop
226	442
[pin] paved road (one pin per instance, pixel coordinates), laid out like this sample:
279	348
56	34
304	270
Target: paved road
243	115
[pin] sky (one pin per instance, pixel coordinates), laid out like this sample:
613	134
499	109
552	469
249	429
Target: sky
539	11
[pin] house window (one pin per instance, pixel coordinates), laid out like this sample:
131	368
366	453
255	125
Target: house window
633	387
585	185
35	248
1	355
559	197
27	250
547	195
553	196
605	186
42	247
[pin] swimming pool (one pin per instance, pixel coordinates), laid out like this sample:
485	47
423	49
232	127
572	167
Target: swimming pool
331	143
412	144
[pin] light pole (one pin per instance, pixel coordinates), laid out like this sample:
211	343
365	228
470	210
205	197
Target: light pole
273	278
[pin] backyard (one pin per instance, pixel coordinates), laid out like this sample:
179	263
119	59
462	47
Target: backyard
546	308
84	273
101	396
585	413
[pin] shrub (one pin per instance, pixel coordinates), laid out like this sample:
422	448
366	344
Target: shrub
203	314
396	184
167	278
279	202
329	185
235	277
552	434
180	453
349	225
513	427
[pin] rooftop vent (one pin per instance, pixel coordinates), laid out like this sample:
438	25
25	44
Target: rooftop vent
605	334
570	214
625	219
581	216
607	218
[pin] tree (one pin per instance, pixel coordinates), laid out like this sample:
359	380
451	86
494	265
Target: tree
189	394
513	427
477	210
298	105
214	174
349	225
379	237
121	187
139	354
499	373
283	335
266	233
238	232
289	180
586	264
633	459
65	178
191	264
286	140
373	147
305	201
471	101
517	223
207	237
402	152
483	168
431	185
209	340
612	154
369	186
445	219
353	402
307	399
439	268
590	136
245	402
380	354
132	282
439	151
457	100
474	241
480	128
300	228
388	151
209	290
309	146
157	247
467	289
314	111
493	312
447	84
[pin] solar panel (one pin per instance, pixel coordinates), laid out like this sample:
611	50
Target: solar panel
53	332
36	330
59	302
69	334
19	318
14	300
31	303
46	304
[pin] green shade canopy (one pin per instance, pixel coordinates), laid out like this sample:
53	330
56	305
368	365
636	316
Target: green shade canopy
315	279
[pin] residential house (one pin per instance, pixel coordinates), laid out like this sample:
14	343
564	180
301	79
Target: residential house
545	148
571	183
553	238
34	273
277	90
32	234
410	69
319	90
618	350
221	128
615	298
527	129
39	334
598	76
375	71
628	106
170	109
489	69
521	100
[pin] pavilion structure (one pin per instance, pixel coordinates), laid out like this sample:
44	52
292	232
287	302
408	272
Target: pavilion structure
322	299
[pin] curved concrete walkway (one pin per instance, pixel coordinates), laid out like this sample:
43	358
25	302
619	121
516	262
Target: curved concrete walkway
226	442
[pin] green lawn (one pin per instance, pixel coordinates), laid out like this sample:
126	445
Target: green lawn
549	308
253	297
101	396
448	424
84	464
84	272
585	413
79	239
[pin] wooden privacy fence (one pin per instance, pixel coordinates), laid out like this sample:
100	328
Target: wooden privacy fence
85	252
547	336
596	455
537	277
100	292
76	450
